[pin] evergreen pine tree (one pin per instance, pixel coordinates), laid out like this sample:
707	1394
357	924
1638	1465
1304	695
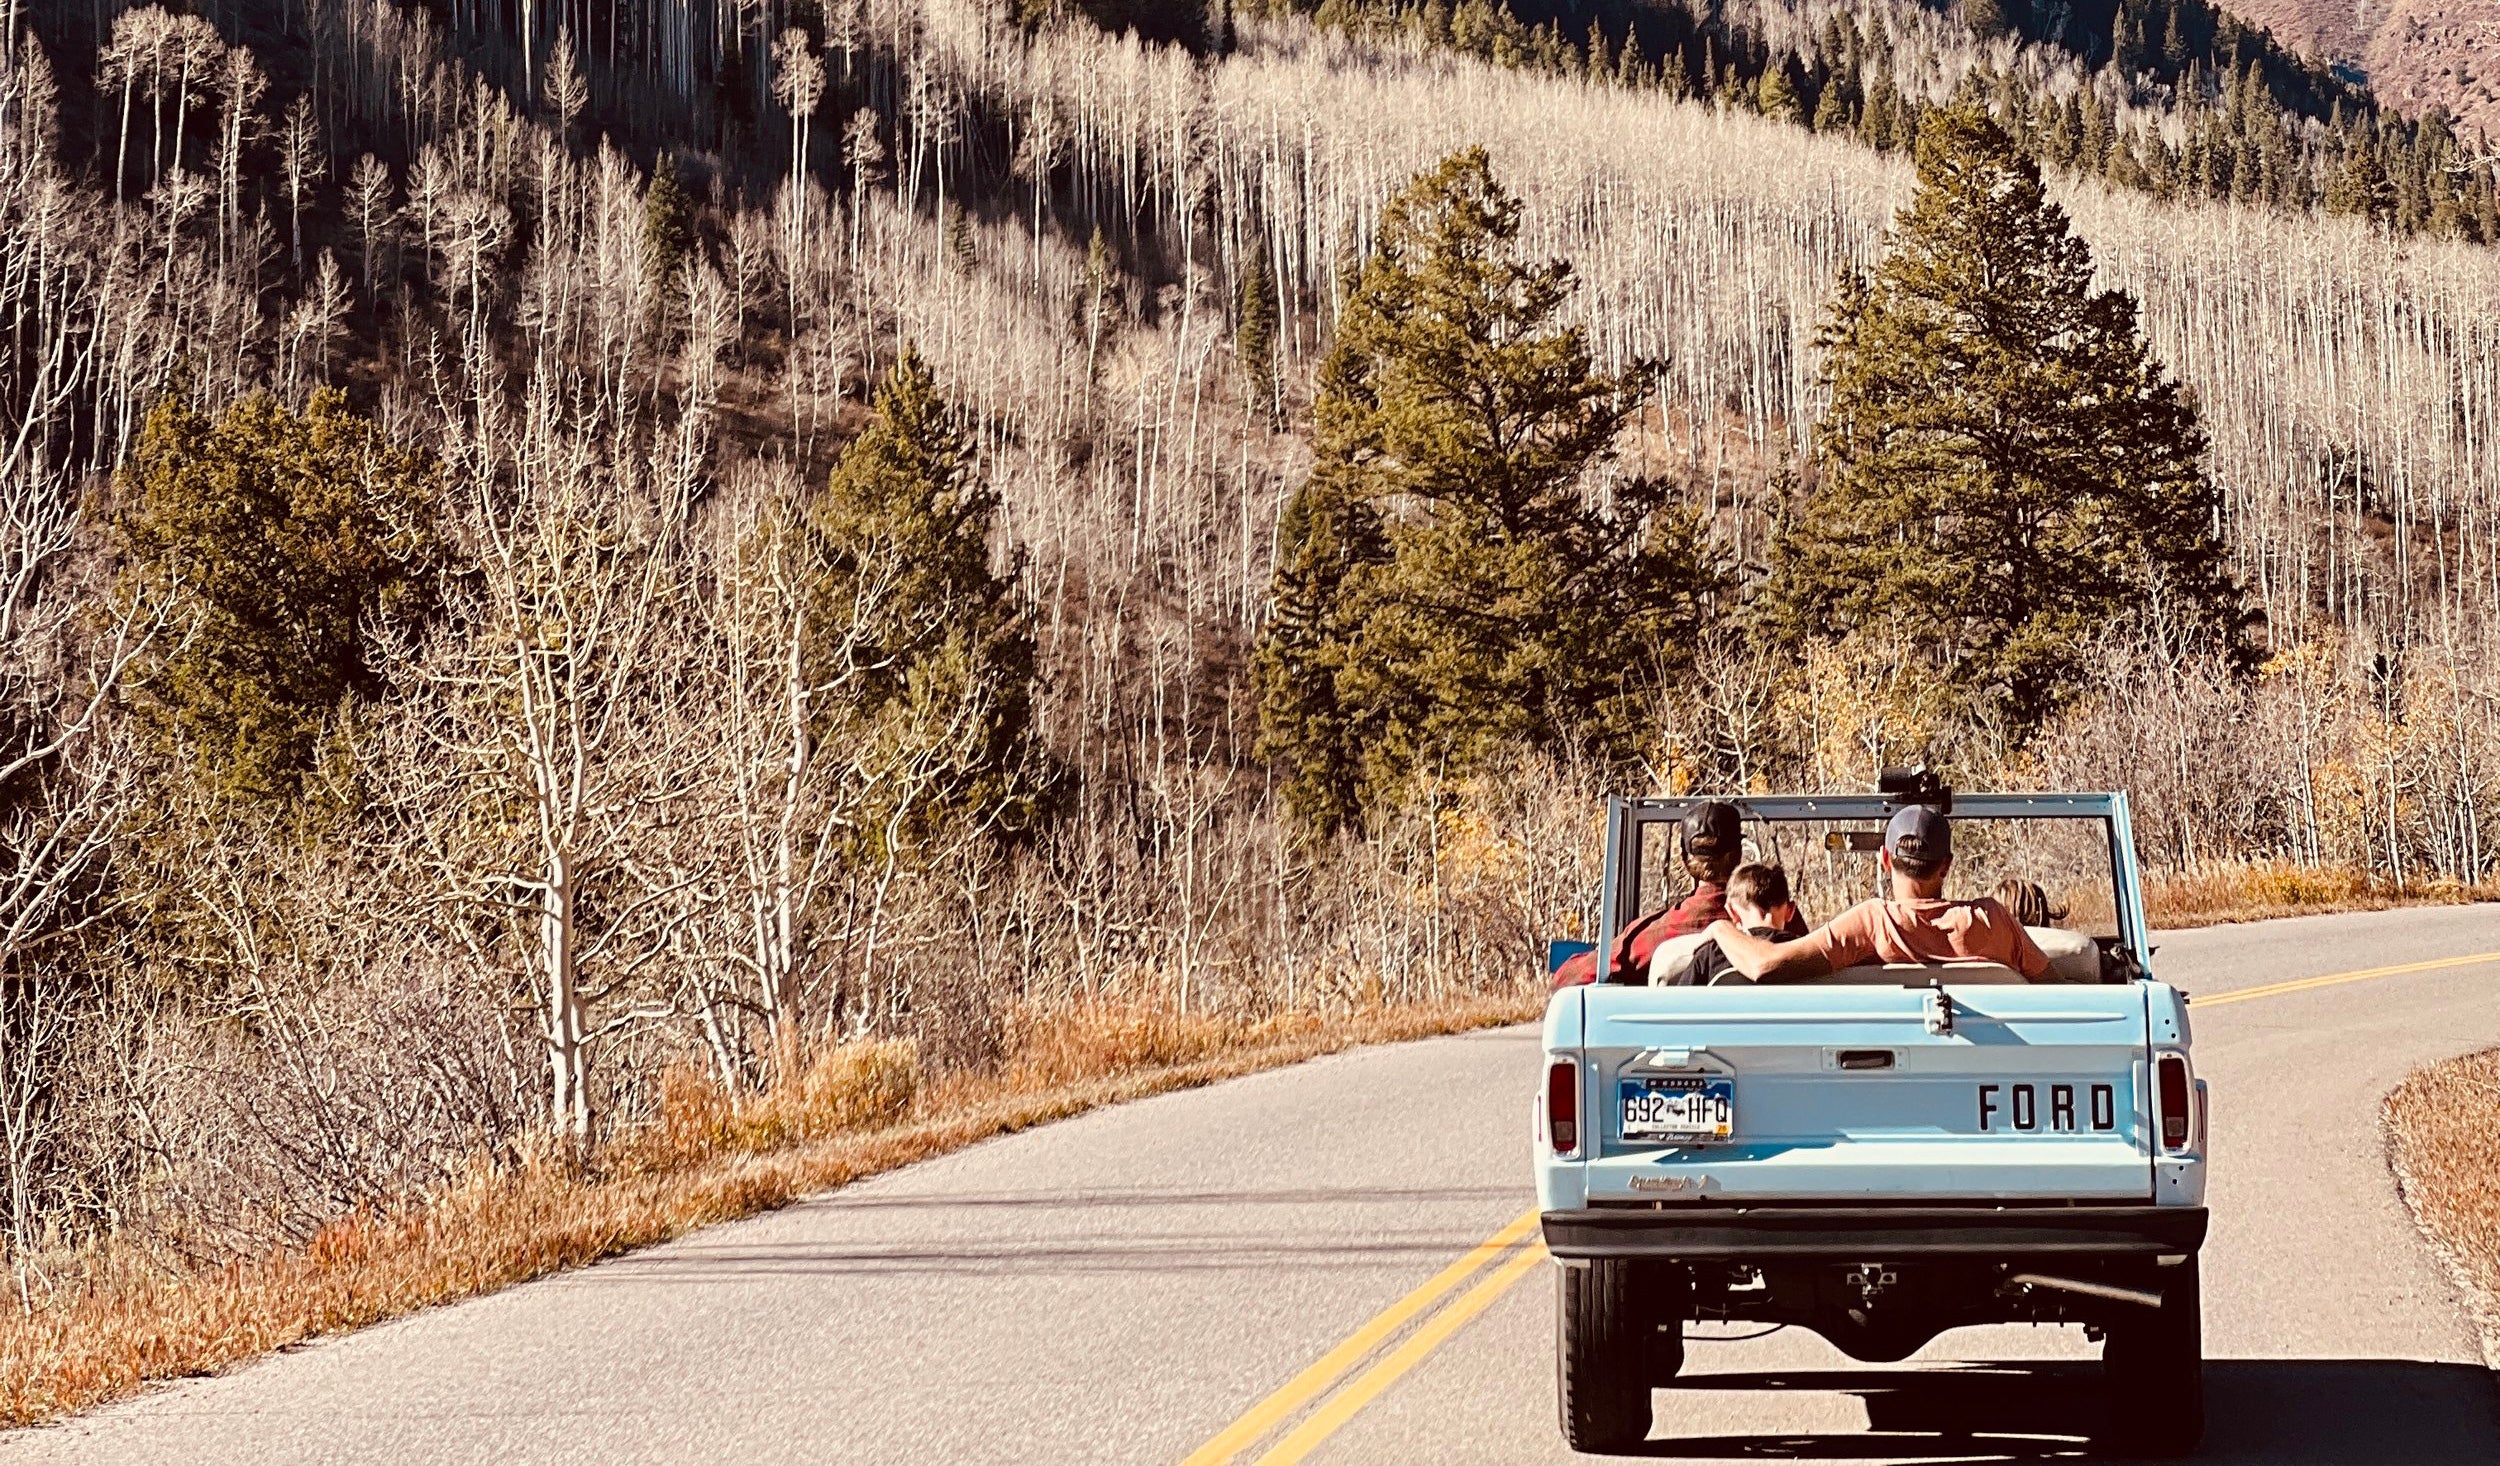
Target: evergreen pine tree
1875	124
959	242
667	219
1831	110
2007	470
1254	342
1309	730
2359	186
1632	68
286	539
1775	96
2092	149
1446	587
927	651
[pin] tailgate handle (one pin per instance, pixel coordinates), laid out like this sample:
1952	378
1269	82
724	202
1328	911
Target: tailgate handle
1864	1059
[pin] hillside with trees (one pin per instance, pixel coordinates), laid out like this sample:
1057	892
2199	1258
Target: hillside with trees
588	583
2419	54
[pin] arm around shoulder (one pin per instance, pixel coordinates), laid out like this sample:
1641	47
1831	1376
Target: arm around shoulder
1768	961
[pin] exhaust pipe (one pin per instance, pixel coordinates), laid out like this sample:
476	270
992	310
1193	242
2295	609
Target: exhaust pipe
2141	1297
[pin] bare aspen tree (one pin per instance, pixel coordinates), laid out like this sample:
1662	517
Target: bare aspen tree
799	85
556	691
845	24
175	200
240	85
313	326
475	230
787	795
153	30
304	159
866	154
566	91
430	182
197	50
68	779
369	210
1038	153
129	60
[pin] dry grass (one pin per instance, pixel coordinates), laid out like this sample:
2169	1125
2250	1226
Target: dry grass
2444	1122
127	1318
2261	890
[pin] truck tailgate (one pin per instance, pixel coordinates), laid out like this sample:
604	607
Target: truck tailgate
1839	1092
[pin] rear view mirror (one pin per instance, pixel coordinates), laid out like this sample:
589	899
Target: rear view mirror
1558	953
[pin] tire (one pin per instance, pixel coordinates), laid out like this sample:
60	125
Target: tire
2153	1368
1605	1357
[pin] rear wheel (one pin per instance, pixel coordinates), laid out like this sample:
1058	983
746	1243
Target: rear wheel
2154	1369
1606	1356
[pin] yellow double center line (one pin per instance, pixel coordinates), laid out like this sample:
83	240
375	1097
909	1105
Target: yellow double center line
1332	1366
1311	1383
2336	979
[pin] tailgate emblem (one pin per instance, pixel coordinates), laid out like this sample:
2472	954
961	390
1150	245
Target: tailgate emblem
1672	1183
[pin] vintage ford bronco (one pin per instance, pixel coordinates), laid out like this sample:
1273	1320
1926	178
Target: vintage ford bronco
1885	1152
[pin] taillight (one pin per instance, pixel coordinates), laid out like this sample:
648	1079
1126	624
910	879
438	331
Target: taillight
2176	1119
1562	1106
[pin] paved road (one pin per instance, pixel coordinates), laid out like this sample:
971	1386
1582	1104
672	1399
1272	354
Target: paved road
1121	1286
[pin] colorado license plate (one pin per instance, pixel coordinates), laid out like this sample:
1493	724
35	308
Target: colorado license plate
1680	1107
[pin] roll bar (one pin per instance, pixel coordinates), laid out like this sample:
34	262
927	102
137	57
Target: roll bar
1628	818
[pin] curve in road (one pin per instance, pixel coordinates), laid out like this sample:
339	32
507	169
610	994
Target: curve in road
1136	1283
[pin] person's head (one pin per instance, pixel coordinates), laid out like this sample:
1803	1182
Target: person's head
1918	850
1713	841
2028	902
1757	895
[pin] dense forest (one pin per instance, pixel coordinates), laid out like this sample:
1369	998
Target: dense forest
554	548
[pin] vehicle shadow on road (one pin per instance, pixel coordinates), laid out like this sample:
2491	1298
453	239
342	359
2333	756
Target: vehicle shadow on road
2279	1412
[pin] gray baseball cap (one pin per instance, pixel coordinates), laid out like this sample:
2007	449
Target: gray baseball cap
1919	833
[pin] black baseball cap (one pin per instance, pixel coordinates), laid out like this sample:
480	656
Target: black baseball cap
1919	833
1713	827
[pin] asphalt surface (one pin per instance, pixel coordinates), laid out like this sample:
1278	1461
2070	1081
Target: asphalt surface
1121	1286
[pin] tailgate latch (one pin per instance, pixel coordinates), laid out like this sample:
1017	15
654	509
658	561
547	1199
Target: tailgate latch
1939	1006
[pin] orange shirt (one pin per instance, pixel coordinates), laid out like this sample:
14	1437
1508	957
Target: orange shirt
1927	932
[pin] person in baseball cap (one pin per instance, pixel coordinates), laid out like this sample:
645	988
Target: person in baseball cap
1919	842
1714	841
1913	924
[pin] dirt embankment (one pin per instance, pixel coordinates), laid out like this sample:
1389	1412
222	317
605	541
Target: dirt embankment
2443	1127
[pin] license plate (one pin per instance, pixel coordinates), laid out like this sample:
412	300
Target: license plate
1681	1107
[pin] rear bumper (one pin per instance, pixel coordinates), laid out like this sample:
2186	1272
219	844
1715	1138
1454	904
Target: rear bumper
1856	1234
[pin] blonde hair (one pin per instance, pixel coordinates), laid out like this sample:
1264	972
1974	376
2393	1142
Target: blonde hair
2028	902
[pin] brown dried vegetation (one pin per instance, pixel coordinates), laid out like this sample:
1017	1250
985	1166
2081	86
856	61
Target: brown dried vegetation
122	1316
2445	1125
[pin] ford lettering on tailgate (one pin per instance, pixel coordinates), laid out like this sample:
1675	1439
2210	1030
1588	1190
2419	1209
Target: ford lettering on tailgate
2050	1107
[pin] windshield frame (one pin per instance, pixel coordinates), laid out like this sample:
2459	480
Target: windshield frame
1629	820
